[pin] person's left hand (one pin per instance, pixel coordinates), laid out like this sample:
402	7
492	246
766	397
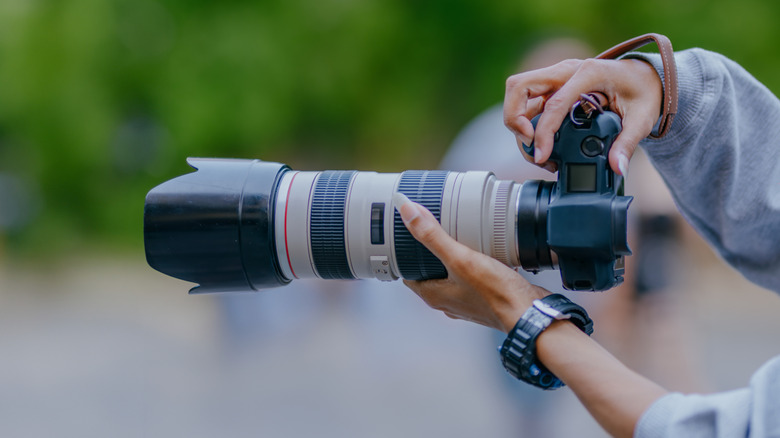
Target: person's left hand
478	288
631	86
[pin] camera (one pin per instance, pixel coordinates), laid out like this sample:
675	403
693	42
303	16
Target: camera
237	225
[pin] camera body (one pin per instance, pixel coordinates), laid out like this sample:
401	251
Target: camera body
585	212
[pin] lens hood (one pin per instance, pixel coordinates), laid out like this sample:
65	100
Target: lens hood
214	226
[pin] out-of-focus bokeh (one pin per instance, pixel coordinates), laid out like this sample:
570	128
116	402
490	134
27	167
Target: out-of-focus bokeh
100	100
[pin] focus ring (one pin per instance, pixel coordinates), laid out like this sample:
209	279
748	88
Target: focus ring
500	230
328	206
415	261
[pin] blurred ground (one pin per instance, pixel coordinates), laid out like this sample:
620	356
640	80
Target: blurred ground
105	346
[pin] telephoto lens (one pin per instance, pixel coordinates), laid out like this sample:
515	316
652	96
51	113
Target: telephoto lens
240	225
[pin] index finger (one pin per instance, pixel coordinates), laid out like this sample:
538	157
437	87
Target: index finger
584	80
521	101
427	230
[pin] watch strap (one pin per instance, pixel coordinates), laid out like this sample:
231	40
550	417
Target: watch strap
518	352
574	312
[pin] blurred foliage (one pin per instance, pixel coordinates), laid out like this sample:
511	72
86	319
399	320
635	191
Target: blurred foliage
102	99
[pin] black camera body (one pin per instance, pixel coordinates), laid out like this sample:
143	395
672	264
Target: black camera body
584	211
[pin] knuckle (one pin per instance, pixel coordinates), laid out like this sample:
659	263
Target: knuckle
413	285
555	103
590	64
437	306
513	82
435	303
569	64
510	121
629	140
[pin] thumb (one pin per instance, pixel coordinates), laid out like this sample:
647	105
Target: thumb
635	129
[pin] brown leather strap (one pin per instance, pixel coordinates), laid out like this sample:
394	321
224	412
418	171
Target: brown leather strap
670	73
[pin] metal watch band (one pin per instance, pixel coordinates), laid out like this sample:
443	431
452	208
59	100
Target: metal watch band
518	352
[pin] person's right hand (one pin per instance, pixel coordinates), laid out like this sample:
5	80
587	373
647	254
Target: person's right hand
632	87
478	288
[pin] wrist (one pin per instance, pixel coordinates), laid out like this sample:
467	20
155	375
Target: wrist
519	350
550	341
646	74
509	314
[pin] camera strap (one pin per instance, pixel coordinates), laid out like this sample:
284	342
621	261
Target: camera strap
669	74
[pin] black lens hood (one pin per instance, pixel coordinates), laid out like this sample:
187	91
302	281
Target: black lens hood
214	226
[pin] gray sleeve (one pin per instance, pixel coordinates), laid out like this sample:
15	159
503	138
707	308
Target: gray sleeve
752	412
721	161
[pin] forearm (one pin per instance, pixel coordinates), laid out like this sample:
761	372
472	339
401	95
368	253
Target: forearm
615	396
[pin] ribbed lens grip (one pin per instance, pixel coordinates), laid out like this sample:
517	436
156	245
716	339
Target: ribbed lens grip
500	224
414	260
328	247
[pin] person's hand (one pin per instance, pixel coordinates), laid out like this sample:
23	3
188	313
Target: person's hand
478	288
632	87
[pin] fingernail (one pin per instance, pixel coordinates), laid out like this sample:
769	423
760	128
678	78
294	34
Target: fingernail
537	155
405	207
526	141
623	165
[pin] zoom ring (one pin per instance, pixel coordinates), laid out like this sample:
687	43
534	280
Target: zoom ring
414	260
328	246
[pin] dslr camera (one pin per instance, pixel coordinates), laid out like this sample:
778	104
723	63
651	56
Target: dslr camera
238	225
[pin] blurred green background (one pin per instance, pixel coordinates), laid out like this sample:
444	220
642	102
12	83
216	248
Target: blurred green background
100	100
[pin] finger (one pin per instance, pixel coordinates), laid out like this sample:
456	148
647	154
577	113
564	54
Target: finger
519	124
559	105
534	107
427	230
523	128
635	128
416	287
522	90
432	292
454	316
458	259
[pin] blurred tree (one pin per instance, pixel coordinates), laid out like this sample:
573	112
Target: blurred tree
102	99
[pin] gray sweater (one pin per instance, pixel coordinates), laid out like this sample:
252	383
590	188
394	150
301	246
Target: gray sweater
721	161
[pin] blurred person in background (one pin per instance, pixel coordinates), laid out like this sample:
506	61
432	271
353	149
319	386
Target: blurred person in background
623	314
720	160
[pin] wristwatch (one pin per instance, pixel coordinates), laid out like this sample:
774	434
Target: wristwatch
518	352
